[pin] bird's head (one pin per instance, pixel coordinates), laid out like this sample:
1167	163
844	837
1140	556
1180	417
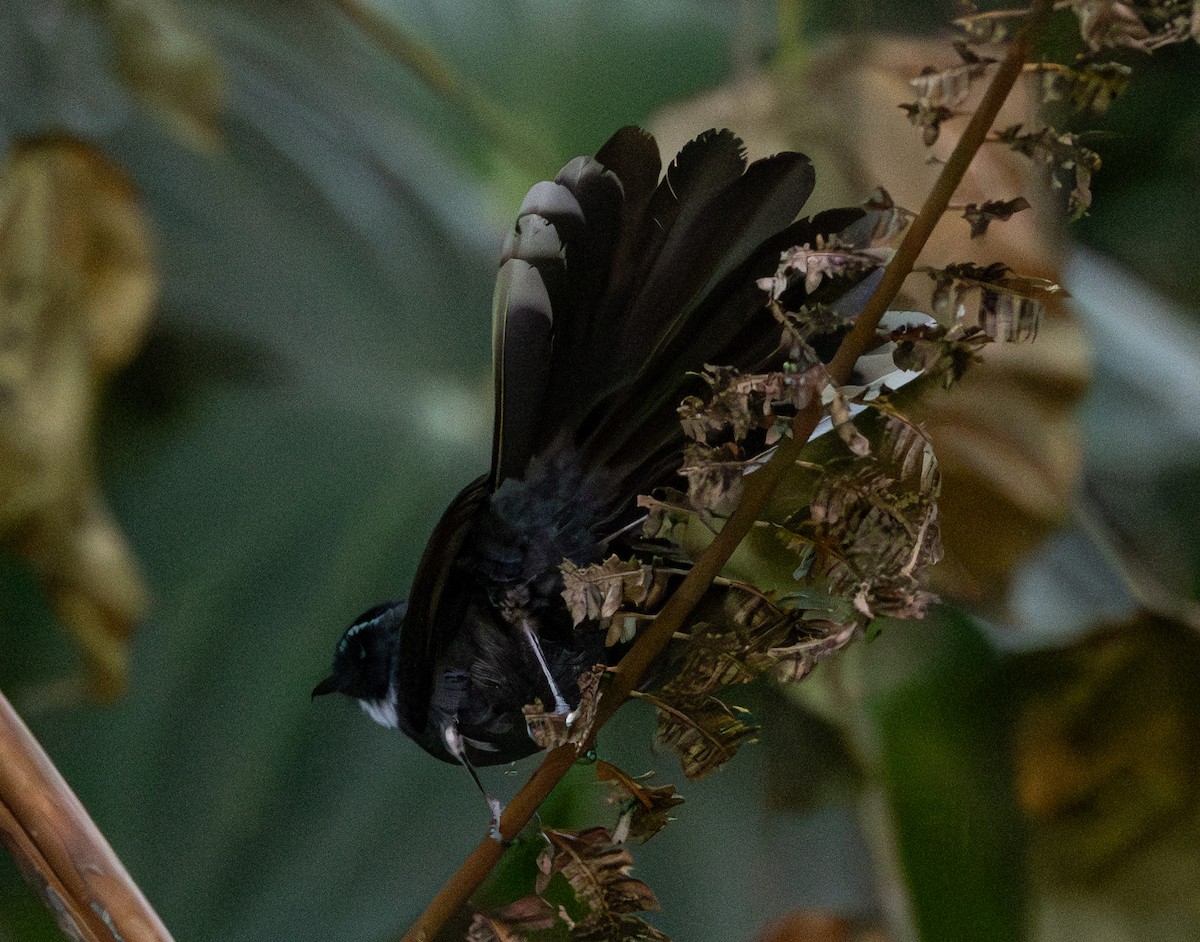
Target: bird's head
364	662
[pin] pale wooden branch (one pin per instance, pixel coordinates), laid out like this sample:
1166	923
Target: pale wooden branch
60	851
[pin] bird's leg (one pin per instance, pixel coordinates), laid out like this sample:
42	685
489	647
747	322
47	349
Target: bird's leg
561	707
454	743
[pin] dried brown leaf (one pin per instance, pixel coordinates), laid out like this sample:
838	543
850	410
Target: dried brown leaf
809	643
828	258
1008	307
942	353
982	215
893	220
618	929
714	660
882	515
1111	23
513	923
666	509
1091	87
993	26
843	420
716	476
551	730
951	87
704	732
79	283
645	809
599	591
597	869
928	117
1061	152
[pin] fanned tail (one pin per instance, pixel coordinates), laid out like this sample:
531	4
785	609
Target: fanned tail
615	285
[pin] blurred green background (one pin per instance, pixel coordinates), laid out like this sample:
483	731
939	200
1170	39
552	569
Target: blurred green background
316	390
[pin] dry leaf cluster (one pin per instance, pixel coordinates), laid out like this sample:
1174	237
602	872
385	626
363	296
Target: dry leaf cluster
78	282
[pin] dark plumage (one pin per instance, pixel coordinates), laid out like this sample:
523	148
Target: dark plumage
612	287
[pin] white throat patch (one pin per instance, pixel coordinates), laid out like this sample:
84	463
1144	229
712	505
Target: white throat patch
382	711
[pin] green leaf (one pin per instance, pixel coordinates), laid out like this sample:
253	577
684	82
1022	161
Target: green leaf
950	786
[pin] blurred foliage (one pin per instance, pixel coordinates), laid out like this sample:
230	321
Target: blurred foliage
314	390
79	288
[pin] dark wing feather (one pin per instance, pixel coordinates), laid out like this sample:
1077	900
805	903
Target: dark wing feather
430	604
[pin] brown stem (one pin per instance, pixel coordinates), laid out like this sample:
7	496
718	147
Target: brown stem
59	849
759	487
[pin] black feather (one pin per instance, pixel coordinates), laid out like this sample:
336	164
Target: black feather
614	286
522	341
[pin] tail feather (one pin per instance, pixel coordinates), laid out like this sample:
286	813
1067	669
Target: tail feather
702	168
637	427
716	238
632	154
588	260
615	285
523	343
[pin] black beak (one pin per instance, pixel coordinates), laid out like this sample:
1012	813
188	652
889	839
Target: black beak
328	685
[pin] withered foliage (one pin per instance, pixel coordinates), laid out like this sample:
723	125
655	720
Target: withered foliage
703	731
754	636
743	415
928	117
644	808
828	258
550	730
757	635
874	525
1143	25
596	868
941	353
1008	307
716	476
515	922
78	283
1063	153
1090	86
982	215
993	26
596	593
951	87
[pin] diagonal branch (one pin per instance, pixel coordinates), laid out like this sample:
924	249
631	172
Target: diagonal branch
759	487
60	851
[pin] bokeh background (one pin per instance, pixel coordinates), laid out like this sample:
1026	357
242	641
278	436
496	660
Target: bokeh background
326	185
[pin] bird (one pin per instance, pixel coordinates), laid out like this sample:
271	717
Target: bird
615	286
